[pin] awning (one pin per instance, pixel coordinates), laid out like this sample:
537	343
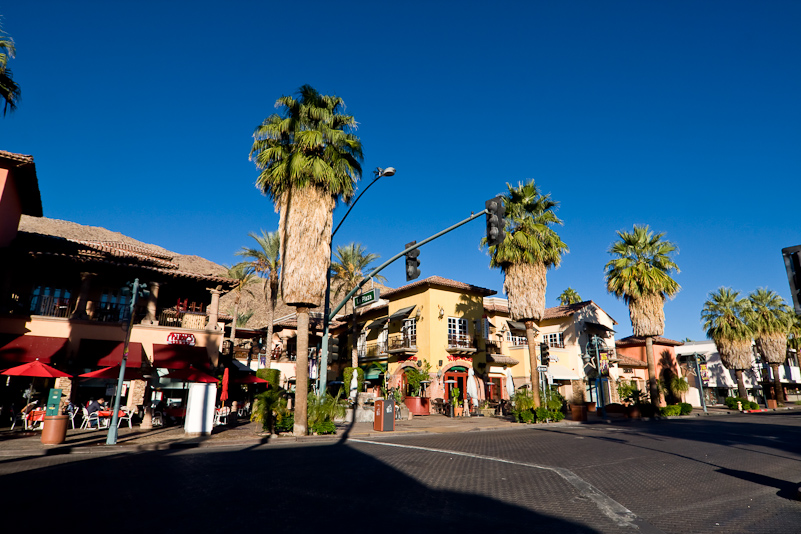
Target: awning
598	326
379	323
23	349
105	353
373	371
401	314
517	326
179	356
558	372
239	366
501	359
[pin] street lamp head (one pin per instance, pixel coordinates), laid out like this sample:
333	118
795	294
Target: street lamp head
379	172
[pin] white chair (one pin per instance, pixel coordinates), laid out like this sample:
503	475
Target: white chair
221	415
128	413
73	413
87	419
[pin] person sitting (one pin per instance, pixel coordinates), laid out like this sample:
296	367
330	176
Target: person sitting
95	406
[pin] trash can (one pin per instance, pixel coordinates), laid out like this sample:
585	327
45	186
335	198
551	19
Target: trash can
55	429
384	419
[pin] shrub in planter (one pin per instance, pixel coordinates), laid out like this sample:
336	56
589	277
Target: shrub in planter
268	406
731	403
669	411
347	374
285	423
523	416
273	376
686	408
323	427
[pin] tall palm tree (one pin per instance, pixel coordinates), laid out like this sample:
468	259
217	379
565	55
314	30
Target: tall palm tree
244	276
350	262
9	90
569	296
266	263
530	247
309	159
723	317
770	321
639	273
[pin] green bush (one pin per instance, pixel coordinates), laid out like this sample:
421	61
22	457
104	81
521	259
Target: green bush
415	377
268	406
323	427
731	403
669	411
523	416
753	406
273	376
324	409
686	408
285	423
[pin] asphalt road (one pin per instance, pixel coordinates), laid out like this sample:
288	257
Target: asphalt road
722	474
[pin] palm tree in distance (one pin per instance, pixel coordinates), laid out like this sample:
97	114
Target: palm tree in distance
639	273
569	296
529	248
9	89
309	159
723	318
770	321
244	276
350	262
266	263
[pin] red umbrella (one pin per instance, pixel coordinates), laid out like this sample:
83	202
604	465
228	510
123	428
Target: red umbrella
190	375
36	368
224	394
250	379
131	373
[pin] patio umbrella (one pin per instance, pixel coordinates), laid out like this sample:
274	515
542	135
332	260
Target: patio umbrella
35	369
472	388
250	379
510	384
224	393
131	373
190	375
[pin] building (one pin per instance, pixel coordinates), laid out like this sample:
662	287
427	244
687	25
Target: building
633	366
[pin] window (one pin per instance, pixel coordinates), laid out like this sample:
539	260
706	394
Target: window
111	306
516	341
554	340
50	301
457	331
360	344
410	332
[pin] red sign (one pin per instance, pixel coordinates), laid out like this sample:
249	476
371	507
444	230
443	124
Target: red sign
457	358
175	338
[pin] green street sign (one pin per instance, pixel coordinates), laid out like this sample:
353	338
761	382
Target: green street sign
368	297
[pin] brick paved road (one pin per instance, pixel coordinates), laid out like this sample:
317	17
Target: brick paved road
723	474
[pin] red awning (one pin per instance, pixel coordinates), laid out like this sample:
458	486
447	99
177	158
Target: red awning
105	353
179	356
22	349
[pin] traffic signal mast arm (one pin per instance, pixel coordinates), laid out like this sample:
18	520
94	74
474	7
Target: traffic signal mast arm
400	255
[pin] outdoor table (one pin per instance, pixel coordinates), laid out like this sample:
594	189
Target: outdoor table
105	415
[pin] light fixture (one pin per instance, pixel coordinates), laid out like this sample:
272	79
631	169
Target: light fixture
441	312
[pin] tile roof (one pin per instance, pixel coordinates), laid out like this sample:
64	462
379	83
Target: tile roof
26	181
22	158
626	361
556	312
438	281
633	341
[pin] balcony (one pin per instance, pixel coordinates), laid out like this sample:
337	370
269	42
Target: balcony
183	319
403	344
460	344
374	350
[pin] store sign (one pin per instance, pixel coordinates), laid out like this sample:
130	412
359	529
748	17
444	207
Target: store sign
453	358
704	372
176	338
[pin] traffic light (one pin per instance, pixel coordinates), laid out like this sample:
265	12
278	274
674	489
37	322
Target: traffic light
412	263
545	355
333	348
495	221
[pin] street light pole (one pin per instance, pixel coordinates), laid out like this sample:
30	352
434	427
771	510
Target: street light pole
323	374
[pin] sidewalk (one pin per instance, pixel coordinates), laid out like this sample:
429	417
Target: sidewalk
20	443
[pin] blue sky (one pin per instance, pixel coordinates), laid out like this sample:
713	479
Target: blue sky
682	115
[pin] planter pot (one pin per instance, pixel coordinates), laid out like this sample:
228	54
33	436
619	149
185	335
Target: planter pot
773	404
458	411
55	429
418	405
579	412
590	406
633	412
487	412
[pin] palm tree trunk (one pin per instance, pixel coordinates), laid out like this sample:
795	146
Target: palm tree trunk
653	388
302	373
233	324
778	391
271	287
741	391
534	361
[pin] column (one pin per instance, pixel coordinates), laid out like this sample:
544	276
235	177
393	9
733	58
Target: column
214	309
152	302
80	311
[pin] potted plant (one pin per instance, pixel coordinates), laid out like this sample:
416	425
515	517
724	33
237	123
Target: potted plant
456	403
415	376
485	410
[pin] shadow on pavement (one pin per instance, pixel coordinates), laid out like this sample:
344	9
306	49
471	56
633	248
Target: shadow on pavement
330	488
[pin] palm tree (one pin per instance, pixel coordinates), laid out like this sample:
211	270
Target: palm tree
348	270
9	90
244	276
770	321
309	158
569	296
266	263
722	316
529	248
639	273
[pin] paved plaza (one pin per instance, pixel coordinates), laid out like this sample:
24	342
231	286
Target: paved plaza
731	473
